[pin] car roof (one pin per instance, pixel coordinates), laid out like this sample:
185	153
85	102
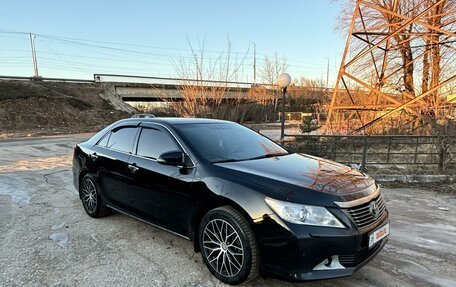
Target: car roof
178	121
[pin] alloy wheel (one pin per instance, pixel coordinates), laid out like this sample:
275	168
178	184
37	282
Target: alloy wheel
89	195
223	247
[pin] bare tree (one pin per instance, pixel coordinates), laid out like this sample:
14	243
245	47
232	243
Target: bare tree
271	68
205	83
269	73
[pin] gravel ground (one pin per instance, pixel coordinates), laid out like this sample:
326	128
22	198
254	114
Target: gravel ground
46	238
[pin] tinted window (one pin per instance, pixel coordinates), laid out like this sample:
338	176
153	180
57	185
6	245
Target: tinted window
104	140
152	143
122	139
228	142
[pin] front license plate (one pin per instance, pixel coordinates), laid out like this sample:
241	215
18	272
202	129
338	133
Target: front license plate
379	234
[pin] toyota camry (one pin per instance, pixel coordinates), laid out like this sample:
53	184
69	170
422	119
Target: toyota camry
249	205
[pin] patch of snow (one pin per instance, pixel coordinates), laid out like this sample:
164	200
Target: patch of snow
17	195
441	227
95	237
60	238
429	240
58	226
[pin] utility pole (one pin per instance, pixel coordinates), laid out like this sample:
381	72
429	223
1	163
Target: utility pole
327	73
35	64
254	64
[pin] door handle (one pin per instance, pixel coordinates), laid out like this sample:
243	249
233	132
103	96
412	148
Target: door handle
93	156
133	168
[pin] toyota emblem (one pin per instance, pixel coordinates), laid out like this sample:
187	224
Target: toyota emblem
374	209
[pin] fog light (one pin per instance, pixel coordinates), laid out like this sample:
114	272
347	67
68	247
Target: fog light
328	261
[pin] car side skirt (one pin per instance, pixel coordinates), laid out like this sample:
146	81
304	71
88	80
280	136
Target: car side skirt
147	222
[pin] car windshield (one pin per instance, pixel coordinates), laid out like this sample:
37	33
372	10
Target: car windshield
226	142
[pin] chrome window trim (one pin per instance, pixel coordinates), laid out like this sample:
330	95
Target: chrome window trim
356	202
144	157
114	150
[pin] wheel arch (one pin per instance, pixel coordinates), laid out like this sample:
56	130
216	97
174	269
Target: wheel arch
209	205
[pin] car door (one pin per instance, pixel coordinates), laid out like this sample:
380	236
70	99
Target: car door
162	193
111	155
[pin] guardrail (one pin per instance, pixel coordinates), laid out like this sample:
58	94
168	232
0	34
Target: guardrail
45	79
378	150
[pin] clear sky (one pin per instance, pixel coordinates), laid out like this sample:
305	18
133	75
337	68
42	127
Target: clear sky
145	37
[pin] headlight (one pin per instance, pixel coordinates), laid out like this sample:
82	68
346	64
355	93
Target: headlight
303	214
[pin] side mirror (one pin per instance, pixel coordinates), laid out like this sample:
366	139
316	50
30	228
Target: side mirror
175	158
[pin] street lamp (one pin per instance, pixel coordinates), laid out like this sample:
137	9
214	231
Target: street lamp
284	82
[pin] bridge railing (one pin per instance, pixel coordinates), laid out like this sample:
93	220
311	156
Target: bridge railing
166	80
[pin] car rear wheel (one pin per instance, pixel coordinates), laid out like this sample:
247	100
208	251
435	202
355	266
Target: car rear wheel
90	197
228	245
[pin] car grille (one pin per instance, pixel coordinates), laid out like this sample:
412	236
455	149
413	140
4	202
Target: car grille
362	216
353	260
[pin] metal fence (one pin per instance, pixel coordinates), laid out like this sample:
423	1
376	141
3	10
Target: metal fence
378	150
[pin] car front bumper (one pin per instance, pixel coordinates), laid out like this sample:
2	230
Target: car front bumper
360	259
298	253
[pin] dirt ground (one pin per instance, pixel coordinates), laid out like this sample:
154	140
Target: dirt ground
46	238
30	108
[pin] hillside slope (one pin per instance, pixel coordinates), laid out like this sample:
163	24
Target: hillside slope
41	108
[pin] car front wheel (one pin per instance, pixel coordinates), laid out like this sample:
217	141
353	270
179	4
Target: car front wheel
228	245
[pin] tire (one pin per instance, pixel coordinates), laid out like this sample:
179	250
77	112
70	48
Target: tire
90	196
228	246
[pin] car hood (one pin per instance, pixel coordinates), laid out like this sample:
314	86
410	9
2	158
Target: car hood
304	171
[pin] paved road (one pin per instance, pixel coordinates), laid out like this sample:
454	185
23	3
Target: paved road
46	239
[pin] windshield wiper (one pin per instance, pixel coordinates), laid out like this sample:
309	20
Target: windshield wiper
267	156
251	158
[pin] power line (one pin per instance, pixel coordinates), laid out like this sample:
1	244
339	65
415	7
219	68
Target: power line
126	52
162	61
86	42
6	31
71	64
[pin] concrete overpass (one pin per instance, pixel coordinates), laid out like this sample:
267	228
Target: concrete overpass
132	92
154	89
143	88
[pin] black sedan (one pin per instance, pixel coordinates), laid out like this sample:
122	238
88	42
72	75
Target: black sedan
250	206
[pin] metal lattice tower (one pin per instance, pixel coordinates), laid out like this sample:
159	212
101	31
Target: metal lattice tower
389	64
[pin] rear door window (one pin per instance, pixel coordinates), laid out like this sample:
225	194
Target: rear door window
154	142
104	141
122	139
